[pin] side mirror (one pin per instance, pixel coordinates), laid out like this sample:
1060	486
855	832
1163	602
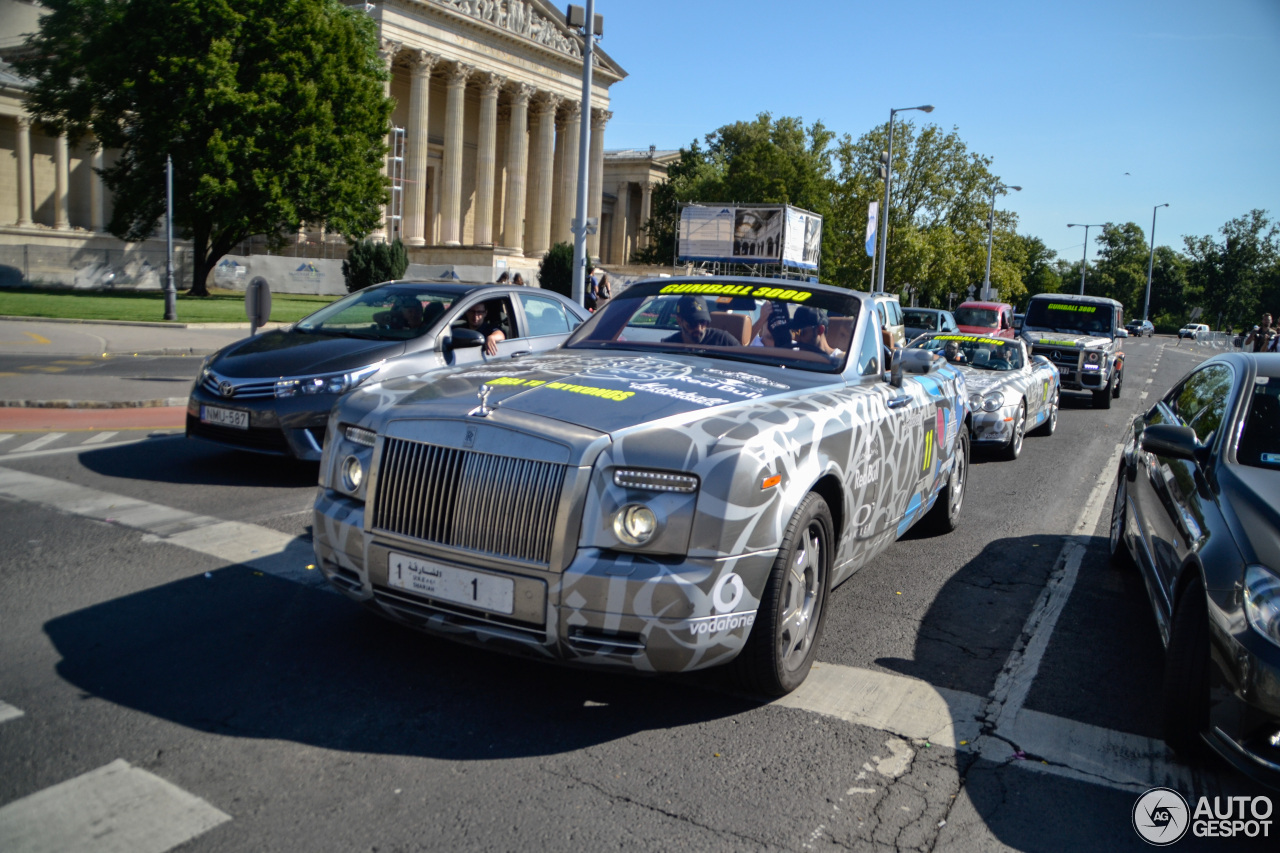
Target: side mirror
1121	333
463	339
912	362
1176	442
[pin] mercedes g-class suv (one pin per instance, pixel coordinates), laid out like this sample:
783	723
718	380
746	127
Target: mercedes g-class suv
1081	335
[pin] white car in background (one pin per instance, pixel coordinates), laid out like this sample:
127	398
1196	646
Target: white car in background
1192	330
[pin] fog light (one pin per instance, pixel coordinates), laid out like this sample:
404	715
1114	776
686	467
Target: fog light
635	524
352	473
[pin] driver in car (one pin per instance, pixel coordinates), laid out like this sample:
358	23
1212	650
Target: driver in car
477	320
952	353
695	325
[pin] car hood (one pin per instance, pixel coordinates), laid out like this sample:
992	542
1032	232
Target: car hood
285	352
1066	340
980	381
1252	495
605	392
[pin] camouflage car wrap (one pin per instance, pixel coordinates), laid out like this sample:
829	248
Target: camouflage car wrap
743	445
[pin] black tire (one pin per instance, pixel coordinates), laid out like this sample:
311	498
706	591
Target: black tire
1120	556
1102	398
1051	424
1118	382
1011	450
782	644
945	515
1185	697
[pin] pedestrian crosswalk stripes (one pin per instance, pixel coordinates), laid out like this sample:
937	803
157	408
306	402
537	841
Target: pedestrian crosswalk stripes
117	808
36	444
8	712
100	438
65	442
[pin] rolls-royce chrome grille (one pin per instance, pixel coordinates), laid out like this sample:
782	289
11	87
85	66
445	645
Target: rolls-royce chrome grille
499	505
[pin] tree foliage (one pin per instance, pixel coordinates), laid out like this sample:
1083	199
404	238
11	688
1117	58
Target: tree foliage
272	110
370	263
1120	268
1229	279
555	272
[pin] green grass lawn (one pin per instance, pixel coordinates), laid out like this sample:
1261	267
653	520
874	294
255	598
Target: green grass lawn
221	306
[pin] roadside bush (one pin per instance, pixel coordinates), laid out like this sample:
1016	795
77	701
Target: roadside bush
371	263
556	270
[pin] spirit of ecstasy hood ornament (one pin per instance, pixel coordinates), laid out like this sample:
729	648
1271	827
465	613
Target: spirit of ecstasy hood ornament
483	410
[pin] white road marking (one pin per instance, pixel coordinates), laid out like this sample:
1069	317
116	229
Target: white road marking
99	438
114	809
259	548
5	437
8	712
47	438
1142	396
78	448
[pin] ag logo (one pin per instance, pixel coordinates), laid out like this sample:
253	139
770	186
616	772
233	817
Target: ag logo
732	584
1161	816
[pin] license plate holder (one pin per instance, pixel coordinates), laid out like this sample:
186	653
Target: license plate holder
480	590
234	418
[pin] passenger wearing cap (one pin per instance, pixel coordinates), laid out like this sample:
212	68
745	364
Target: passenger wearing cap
810	327
695	325
771	328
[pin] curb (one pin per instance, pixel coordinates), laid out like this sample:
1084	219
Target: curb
161	402
145	323
180	351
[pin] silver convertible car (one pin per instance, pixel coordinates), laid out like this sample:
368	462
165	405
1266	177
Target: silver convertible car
1011	391
666	492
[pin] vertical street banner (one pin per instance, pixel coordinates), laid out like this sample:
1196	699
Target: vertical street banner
802	243
873	211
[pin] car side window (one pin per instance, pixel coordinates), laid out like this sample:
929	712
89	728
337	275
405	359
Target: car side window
868	362
544	316
1202	400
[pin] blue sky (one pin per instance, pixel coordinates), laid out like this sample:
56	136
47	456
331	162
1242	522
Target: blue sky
1064	97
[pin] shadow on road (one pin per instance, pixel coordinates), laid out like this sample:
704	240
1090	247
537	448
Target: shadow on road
248	655
189	461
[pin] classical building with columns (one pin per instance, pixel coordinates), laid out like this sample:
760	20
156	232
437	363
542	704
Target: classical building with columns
484	143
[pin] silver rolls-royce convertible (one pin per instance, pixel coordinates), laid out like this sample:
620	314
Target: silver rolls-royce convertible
679	486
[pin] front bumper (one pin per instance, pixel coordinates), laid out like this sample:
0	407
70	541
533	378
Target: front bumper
992	427
291	427
1245	707
608	609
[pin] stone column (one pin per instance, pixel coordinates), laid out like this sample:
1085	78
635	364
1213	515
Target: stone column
517	167
387	53
568	184
451	185
486	157
646	199
415	177
24	171
97	197
500	167
62	178
595	187
538	235
557	180
620	223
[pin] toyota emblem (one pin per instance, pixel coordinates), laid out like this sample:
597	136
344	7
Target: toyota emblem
226	389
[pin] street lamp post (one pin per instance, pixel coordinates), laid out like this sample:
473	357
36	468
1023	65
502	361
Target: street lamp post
1146	300
1084	260
580	226
170	289
996	188
883	218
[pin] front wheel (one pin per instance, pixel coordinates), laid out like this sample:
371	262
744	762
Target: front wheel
1185	699
781	647
1014	447
1120	556
1118	382
945	515
1102	398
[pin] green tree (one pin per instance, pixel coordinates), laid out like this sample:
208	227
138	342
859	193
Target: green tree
555	272
272	110
1228	278
1120	269
1168	307
1037	264
370	263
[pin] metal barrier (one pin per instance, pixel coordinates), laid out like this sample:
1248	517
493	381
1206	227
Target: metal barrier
91	269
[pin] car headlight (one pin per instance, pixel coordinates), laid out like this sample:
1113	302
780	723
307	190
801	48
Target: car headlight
352	473
635	524
333	383
1092	360
993	401
1262	602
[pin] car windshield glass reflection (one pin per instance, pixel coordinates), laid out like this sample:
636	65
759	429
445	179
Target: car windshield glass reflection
383	313
977	352
780	323
987	318
1259	445
1073	317
920	319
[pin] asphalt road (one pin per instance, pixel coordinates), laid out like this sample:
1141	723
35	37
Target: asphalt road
170	659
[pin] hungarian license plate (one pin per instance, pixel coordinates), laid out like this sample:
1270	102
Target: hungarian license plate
449	583
224	417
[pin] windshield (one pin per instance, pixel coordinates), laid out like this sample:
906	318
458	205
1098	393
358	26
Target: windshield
392	313
1259	444
766	322
1080	317
975	351
987	318
920	319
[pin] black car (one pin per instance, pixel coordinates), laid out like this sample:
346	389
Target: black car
919	321
1197	506
272	393
1140	328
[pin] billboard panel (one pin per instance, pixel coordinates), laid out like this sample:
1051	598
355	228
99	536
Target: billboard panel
804	239
774	234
